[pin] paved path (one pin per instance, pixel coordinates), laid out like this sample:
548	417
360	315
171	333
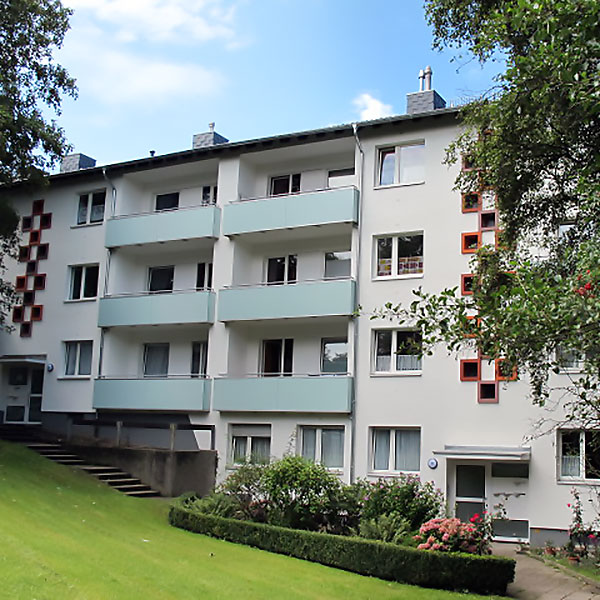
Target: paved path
534	580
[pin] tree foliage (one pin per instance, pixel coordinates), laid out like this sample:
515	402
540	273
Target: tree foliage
30	81
534	138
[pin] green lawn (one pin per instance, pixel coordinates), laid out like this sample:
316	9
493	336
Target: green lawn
65	535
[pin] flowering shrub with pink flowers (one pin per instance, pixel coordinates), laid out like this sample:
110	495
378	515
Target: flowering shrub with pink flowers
453	535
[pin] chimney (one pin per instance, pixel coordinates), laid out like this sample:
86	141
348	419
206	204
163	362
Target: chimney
210	138
75	162
426	99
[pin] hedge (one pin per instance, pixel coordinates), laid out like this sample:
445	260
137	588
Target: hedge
451	571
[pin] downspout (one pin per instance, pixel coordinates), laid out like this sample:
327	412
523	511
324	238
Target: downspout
355	357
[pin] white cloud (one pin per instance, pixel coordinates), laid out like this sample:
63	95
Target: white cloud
371	108
162	20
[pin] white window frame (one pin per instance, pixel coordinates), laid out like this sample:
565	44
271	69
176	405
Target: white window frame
334	253
76	374
144	360
249	436
159	210
88	216
333	340
71	288
286	271
397	164
290	181
319	443
149	279
581	477
393	371
206	284
394	260
392	451
576	367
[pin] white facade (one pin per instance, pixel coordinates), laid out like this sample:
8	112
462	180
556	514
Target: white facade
217	346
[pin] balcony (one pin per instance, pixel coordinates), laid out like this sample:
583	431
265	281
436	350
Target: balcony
165	226
157	309
322	207
173	393
327	297
297	394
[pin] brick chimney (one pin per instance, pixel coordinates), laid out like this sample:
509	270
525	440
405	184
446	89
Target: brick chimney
425	99
209	138
75	162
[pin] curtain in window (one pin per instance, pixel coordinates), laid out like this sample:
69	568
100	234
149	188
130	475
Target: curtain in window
98	200
70	357
309	441
82	210
156	362
408	450
387	167
332	447
383	353
260	449
239	448
412	163
381	449
85	358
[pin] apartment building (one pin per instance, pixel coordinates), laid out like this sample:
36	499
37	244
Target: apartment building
217	289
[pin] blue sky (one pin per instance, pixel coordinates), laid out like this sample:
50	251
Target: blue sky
151	73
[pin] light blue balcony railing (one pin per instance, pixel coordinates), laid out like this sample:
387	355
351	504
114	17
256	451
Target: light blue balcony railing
299	394
169	225
322	207
173	393
157	309
327	297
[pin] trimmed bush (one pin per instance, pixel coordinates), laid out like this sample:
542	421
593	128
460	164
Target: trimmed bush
451	571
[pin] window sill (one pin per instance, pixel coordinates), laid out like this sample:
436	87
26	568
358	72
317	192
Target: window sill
398	277
84	225
577	481
79	300
390	474
397	374
74	377
397	185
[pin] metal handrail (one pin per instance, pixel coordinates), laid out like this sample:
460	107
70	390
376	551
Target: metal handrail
152	377
281	283
280	375
159	212
157	292
320	190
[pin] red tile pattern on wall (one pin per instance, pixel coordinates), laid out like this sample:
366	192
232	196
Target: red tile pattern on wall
27	311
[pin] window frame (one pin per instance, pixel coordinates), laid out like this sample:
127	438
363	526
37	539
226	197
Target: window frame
392	449
582	457
393	371
204	271
326	262
146	346
286	269
202	347
82	282
249	437
149	279
286	358
397	153
576	367
394	275
88	210
77	362
160	210
333	340
290	190
319	444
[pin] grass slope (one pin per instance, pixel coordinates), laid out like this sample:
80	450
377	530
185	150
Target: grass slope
65	535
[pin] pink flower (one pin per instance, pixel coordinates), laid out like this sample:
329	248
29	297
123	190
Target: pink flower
591	536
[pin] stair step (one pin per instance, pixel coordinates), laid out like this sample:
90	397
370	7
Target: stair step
57	455
143	494
94	469
40	447
67	461
124	481
112	476
132	487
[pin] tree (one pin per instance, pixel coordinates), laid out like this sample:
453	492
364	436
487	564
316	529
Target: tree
30	31
534	139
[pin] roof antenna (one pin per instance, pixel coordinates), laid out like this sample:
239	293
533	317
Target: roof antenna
152	153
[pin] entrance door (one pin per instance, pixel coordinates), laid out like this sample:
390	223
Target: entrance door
24	394
470	491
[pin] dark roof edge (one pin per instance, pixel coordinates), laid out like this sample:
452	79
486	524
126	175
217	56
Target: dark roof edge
253	145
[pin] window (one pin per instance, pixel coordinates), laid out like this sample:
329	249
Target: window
401	165
250	443
285	184
78	358
399	255
324	445
160	279
156	360
397	351
334	355
204	276
167	201
579	454
568	360
209	194
340	177
282	269
84	282
91	207
395	449
199	358
337	264
277	357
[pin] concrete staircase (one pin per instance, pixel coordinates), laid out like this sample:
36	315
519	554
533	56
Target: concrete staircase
28	435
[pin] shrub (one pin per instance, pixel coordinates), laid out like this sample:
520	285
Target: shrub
386	528
216	503
452	535
246	487
302	494
404	496
482	574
